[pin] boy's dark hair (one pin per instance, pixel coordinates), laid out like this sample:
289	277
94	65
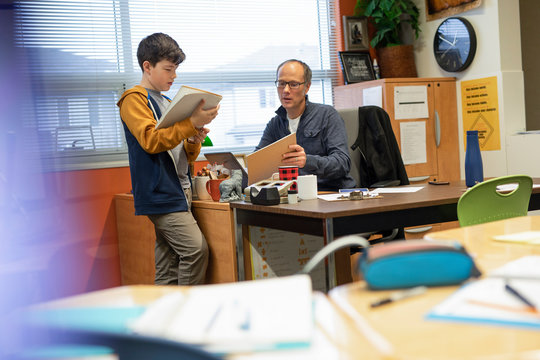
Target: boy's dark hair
157	47
307	69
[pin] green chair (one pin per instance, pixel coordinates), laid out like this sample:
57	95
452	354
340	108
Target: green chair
483	203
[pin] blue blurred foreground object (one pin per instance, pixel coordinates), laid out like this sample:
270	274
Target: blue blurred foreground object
408	263
405	263
60	333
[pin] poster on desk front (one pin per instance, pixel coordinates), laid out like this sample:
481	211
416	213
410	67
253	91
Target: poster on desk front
480	109
281	253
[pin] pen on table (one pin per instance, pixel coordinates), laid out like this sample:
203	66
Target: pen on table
518	295
400	295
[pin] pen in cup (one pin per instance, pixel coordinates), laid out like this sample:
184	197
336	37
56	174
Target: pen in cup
400	295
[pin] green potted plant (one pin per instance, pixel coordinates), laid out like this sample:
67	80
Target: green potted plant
390	18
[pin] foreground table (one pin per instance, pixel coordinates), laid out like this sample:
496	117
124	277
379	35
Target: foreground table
410	336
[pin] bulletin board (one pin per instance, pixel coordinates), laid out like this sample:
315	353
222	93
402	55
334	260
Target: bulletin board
480	110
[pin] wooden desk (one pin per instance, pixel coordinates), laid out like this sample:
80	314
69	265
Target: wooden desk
413	337
331	219
401	324
136	239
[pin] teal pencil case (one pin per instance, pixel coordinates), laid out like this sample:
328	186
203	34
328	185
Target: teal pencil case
408	263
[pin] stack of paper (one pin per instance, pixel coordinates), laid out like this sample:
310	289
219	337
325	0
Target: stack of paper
246	316
487	301
526	237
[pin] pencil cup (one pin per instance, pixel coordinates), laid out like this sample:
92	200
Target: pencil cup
288	173
200	187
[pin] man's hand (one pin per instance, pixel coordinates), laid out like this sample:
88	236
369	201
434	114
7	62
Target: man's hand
201	117
199	137
296	156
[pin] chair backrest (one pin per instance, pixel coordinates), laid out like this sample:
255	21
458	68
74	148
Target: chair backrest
375	156
484	203
350	117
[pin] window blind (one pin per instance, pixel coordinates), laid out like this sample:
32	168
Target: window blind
81	56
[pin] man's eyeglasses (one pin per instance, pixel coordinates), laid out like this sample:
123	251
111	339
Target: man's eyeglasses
292	84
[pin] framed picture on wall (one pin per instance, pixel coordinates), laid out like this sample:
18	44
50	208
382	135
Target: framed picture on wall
355	33
356	66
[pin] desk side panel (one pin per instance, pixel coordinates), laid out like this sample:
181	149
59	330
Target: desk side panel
136	239
217	225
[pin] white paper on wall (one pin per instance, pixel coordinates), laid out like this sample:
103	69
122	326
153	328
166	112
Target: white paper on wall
410	102
413	142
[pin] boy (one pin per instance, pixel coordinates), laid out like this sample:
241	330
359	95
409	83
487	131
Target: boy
159	163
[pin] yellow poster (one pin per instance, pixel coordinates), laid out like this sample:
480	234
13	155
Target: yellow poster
480	105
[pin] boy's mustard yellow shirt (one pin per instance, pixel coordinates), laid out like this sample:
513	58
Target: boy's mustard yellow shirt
140	121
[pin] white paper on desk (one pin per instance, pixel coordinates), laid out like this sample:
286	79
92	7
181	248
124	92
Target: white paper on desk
395	190
526	267
410	102
486	301
372	96
525	237
413	142
322	347
244	316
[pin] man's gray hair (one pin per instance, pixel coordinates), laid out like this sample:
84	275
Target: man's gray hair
307	70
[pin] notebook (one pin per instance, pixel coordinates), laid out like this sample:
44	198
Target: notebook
266	161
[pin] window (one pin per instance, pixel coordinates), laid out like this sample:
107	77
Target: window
81	56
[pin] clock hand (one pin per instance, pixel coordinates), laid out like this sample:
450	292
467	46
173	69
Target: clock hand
455	35
447	50
443	39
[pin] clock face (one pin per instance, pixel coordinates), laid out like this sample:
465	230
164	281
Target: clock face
454	44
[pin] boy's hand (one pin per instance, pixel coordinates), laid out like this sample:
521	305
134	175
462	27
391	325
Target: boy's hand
201	117
296	156
199	138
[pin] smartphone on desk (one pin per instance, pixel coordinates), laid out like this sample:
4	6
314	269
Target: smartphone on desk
435	182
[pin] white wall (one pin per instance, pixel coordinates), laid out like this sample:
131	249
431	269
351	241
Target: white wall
497	27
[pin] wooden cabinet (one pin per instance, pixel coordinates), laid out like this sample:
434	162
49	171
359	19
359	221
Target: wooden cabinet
136	239
442	142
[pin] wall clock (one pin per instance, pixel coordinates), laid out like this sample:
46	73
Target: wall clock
454	44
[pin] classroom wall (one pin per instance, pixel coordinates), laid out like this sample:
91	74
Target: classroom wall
497	28
83	250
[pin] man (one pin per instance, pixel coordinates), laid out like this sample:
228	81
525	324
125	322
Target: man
321	138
